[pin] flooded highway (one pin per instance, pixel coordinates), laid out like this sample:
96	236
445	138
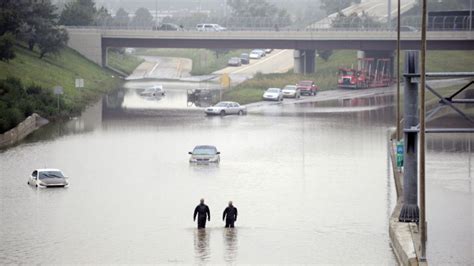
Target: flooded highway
310	186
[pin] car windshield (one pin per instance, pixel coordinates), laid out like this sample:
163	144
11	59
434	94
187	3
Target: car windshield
221	104
273	90
292	88
204	151
50	174
305	83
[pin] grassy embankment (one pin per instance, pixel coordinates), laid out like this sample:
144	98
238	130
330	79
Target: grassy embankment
326	76
123	62
204	61
44	74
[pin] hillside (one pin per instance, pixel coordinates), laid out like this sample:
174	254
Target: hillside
60	70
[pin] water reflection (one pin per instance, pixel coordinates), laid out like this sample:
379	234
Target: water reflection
202	251
231	244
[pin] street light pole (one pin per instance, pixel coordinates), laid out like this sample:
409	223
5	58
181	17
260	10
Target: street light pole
398	71
389	14
422	143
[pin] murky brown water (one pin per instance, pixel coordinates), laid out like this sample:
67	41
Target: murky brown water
310	187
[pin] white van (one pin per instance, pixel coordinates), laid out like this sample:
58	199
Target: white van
209	27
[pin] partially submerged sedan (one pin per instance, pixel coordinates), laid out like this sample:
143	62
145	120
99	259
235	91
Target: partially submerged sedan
204	154
226	108
47	178
273	94
154	91
291	91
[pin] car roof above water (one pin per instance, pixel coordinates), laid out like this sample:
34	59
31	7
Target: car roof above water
47	170
205	147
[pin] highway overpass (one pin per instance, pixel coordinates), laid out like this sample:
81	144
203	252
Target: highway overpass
94	42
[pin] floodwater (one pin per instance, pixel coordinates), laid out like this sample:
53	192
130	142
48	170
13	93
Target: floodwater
310	187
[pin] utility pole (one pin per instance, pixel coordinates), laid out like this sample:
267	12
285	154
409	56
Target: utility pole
470	16
398	71
389	14
422	133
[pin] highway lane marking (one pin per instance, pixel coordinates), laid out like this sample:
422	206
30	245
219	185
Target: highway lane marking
259	62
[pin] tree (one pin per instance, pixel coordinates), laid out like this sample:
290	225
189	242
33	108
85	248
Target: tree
333	6
41	18
121	17
143	18
78	13
354	20
103	17
52	41
7	41
258	13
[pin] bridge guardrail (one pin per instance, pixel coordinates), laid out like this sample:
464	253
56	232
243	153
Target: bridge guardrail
409	23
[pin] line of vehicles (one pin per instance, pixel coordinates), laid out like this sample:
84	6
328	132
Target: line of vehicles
244	58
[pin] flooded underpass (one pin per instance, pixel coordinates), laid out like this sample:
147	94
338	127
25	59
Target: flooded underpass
311	187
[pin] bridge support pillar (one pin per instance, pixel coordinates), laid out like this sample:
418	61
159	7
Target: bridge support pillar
104	61
304	61
410	210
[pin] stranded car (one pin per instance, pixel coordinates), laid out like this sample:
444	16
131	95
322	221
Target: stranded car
291	91
307	87
255	55
234	61
204	154
153	91
273	94
244	58
226	108
47	178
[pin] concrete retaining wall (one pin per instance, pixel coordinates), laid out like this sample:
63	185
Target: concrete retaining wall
88	43
403	236
30	124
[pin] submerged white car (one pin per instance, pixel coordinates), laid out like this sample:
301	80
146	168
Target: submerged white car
156	90
204	154
226	108
47	178
273	94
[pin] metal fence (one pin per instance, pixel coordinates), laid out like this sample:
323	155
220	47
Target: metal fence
409	23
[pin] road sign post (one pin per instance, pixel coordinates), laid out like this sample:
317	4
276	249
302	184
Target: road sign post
58	90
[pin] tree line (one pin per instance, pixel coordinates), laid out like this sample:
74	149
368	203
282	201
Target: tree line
34	24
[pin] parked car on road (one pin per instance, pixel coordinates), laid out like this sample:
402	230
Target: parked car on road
226	108
234	61
261	51
307	87
273	94
291	91
204	154
44	178
244	58
209	27
255	55
156	90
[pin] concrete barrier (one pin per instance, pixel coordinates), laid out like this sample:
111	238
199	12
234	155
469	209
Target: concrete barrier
30	124
404	237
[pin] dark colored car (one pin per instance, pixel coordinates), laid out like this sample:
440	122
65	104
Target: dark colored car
234	61
167	27
307	87
244	58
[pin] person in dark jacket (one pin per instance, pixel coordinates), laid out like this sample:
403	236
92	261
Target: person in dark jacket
230	215
202	212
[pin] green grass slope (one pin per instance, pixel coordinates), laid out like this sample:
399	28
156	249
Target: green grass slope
60	70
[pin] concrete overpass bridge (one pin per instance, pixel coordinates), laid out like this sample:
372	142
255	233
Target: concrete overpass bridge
94	42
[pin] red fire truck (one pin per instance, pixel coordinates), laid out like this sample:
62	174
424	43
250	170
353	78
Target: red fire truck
370	73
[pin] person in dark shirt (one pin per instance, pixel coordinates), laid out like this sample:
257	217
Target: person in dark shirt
230	215
202	212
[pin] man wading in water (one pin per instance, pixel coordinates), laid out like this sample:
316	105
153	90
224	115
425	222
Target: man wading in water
231	213
202	212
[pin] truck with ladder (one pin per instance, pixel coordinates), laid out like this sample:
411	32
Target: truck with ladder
370	73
